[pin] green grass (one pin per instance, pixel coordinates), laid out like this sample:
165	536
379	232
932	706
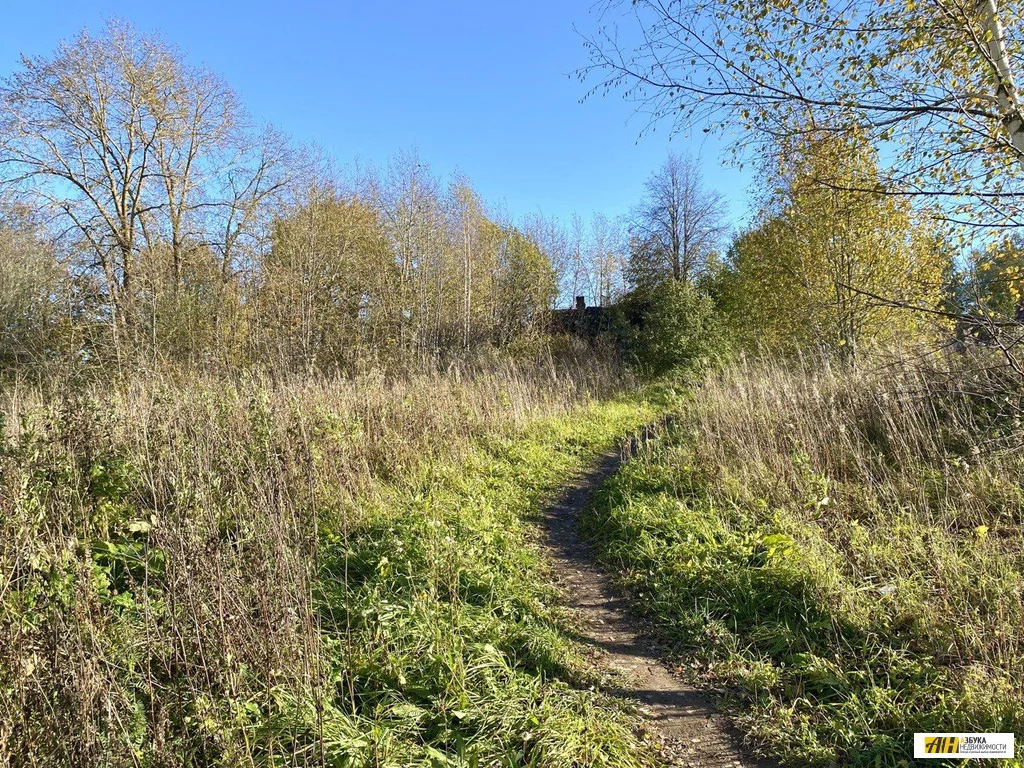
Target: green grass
838	611
458	652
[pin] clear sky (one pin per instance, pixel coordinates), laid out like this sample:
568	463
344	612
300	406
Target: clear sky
480	87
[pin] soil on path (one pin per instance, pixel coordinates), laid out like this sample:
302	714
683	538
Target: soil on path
686	727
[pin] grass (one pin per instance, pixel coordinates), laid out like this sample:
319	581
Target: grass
838	551
337	573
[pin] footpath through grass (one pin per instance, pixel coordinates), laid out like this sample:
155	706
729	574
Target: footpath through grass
450	642
836	555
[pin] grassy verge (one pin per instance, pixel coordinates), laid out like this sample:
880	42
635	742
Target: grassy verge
840	552
317	573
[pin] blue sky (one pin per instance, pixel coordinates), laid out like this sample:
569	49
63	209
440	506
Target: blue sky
478	87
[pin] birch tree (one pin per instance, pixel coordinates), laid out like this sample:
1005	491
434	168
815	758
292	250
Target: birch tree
933	81
325	287
608	260
832	269
470	246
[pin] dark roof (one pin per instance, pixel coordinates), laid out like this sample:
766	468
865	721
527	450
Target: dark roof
588	321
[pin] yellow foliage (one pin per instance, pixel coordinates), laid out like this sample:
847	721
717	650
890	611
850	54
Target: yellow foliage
835	262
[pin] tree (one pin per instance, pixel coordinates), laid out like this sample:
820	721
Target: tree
475	240
132	150
527	284
813	272
414	219
677	224
994	284
325	288
34	295
176	303
932	80
589	259
577	276
553	242
606	255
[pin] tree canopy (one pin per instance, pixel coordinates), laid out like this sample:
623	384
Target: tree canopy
830	268
934	82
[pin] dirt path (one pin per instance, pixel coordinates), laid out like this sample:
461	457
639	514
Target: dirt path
683	719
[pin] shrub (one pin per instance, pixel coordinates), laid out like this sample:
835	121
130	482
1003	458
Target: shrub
669	328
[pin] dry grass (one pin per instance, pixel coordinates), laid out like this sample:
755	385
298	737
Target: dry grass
915	481
843	548
163	545
877	426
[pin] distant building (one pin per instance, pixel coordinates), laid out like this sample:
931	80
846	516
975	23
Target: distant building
581	320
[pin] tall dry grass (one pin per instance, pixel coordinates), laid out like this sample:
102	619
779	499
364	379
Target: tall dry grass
160	549
913	475
929	437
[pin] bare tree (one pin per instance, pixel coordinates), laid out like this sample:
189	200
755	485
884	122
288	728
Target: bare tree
410	200
550	236
467	214
678	223
606	254
578	273
127	148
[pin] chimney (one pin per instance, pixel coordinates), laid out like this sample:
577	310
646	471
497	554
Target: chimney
581	302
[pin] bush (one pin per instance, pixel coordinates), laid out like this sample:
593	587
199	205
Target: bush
670	328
